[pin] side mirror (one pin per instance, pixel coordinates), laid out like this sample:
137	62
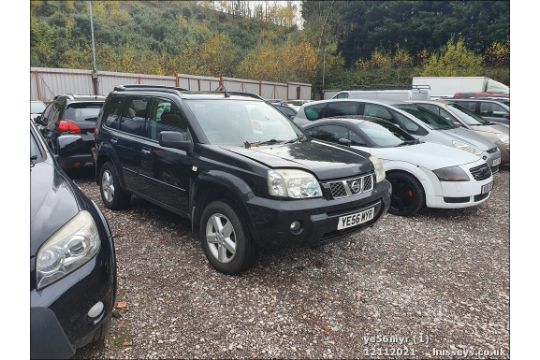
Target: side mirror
41	120
175	140
345	142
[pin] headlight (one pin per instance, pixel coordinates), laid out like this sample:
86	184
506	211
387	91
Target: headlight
296	184
452	173
505	139
467	147
380	175
68	249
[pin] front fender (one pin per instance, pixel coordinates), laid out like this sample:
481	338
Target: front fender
426	177
220	184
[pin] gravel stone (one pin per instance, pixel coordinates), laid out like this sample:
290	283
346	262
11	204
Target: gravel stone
441	276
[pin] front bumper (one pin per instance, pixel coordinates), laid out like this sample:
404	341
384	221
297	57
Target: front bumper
59	320
272	218
459	194
491	158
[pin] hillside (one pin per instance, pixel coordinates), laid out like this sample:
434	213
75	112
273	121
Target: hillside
358	43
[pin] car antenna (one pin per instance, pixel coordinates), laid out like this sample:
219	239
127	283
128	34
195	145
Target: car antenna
221	87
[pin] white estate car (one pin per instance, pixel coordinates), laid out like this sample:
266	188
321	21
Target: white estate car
421	173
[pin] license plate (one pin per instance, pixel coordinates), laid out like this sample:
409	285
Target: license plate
358	218
496	162
487	188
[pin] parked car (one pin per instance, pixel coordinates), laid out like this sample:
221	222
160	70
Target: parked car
72	261
36	109
418	122
295	104
242	173
286	110
491	110
496	133
68	128
421	173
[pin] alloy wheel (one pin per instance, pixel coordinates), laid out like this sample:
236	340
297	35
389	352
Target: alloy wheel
221	237
107	184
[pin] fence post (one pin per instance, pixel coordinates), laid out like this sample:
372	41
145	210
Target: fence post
177	79
260	88
38	88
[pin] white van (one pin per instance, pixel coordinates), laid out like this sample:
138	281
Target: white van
394	94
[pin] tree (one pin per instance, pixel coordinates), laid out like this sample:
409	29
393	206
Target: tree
456	60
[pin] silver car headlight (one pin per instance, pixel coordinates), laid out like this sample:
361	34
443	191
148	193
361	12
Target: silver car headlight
380	174
505	139
296	184
467	147
452	173
68	249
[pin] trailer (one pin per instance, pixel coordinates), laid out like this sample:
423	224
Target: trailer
448	86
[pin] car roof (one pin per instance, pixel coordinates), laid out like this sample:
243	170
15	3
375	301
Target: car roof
74	97
187	94
371	101
444	102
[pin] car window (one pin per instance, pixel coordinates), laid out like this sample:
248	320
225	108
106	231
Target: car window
492	109
343	95
431	119
467	115
134	116
341	108
52	117
286	110
356	139
384	134
82	111
407	124
166	117
331	133
471	105
313	112
112	111
430	107
235	122
377	111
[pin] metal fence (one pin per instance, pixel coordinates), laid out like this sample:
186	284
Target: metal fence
49	82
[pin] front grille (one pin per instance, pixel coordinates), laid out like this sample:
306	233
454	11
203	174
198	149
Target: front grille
481	172
350	186
492	150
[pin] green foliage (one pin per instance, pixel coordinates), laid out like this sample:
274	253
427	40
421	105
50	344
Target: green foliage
456	60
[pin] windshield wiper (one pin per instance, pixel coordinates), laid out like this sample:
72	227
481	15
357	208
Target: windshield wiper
409	142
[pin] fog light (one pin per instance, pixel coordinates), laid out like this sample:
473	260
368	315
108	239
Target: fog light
296	227
96	310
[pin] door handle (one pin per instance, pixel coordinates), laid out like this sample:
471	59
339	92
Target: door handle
146	151
114	140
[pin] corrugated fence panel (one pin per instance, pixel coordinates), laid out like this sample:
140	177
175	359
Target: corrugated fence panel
48	82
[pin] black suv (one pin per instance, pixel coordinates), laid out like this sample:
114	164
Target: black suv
242	172
68	128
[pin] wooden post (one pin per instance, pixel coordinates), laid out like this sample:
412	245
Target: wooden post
177	75
38	87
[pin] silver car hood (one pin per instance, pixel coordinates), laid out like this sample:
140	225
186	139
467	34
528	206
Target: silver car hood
470	137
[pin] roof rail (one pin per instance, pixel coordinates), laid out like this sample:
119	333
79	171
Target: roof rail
144	87
246	94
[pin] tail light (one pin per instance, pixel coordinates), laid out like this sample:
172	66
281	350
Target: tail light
66	126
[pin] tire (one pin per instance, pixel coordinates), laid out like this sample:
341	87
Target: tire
113	195
407	194
217	248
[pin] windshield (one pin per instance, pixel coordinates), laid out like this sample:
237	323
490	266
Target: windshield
235	122
468	116
37	107
383	134
433	120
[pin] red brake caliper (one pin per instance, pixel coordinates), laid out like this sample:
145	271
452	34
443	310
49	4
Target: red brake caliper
410	193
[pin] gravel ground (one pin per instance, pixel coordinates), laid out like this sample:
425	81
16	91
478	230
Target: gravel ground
422	287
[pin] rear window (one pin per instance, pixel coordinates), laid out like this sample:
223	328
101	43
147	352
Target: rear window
82	111
431	119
